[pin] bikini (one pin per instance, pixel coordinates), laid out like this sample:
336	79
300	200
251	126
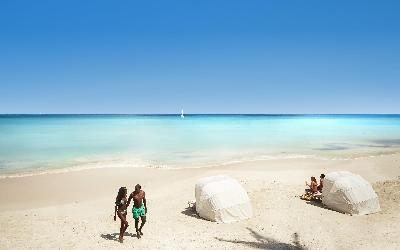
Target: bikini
120	203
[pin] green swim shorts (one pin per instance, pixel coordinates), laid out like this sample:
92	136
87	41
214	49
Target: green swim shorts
138	212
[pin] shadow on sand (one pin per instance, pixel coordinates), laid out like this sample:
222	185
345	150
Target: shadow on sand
114	236
190	211
317	204
321	205
263	242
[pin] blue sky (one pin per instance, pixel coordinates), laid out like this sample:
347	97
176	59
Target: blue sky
255	56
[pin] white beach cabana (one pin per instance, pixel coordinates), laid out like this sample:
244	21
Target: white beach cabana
222	199
349	193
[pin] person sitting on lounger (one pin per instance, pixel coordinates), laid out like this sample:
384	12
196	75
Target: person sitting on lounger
313	186
321	182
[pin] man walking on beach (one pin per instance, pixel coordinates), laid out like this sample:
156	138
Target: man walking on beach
139	208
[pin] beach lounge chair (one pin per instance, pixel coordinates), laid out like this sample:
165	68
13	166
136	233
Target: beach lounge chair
312	196
192	204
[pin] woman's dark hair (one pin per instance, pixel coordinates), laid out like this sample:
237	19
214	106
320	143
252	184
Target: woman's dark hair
313	178
121	193
322	176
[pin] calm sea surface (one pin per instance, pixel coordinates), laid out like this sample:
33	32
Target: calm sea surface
39	143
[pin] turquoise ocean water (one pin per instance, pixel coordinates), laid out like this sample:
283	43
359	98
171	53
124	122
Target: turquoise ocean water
32	144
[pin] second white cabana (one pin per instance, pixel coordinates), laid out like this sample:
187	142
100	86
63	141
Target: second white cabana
349	193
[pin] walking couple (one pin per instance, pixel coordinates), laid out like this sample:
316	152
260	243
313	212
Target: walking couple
139	209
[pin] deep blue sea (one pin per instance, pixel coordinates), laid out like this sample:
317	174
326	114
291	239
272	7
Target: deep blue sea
32	144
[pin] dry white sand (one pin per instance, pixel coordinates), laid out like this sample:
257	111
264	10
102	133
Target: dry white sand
75	210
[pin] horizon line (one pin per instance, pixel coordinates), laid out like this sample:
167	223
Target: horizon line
167	114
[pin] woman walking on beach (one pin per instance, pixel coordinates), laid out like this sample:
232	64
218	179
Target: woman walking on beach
120	209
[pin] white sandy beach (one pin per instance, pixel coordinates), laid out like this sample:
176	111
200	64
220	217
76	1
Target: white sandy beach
75	210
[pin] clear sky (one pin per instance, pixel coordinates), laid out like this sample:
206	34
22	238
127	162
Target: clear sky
258	56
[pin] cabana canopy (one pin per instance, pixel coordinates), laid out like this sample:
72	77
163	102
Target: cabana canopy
222	199
349	193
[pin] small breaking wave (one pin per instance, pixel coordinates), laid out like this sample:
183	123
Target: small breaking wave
138	163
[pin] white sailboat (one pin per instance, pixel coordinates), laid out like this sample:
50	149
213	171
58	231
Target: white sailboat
182	116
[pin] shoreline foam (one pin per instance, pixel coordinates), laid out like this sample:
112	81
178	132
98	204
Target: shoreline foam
127	164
